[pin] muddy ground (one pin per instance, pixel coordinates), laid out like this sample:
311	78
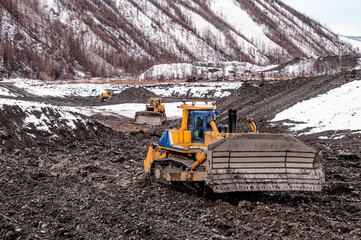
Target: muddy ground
93	186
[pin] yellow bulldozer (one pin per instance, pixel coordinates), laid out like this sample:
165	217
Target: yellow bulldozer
106	95
200	154
342	70
154	113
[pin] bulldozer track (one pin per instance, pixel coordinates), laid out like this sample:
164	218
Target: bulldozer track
172	165
175	162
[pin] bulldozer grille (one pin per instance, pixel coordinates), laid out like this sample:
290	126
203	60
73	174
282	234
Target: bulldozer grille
234	171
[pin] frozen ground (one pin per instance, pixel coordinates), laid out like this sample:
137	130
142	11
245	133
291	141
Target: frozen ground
41	122
60	89
41	115
89	182
196	90
338	109
6	92
129	109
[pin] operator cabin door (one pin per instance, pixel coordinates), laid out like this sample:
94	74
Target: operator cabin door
198	128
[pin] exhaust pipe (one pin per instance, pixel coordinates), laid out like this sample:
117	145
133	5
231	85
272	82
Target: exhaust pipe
232	121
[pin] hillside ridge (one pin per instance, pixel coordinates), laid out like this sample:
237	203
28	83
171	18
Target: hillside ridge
59	39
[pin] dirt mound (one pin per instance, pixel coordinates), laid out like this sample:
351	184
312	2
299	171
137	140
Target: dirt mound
98	188
134	95
38	126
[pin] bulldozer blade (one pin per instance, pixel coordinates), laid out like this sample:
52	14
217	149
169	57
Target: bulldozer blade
263	162
147	117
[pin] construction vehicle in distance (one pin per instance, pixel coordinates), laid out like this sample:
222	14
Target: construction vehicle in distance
106	95
154	113
198	154
342	70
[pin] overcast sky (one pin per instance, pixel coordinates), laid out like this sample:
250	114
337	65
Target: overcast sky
341	16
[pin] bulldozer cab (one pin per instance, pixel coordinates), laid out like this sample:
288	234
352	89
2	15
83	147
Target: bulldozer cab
154	104
199	124
106	95
108	92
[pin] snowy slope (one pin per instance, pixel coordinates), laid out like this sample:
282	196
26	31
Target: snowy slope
311	66
356	44
180	90
116	36
211	90
338	109
61	89
46	117
6	92
204	70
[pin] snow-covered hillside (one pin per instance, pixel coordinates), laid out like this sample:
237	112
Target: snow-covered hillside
312	66
355	42
45	39
338	109
204	70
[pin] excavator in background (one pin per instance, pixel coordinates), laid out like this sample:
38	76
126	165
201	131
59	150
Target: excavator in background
106	95
346	72
342	70
199	154
154	113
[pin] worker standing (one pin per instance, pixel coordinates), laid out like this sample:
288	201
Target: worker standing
252	124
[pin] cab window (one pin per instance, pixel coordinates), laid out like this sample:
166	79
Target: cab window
208	118
198	128
190	121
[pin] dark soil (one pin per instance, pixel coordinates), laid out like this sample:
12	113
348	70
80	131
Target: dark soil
93	186
134	95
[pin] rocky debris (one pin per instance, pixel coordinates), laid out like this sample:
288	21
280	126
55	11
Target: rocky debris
41	126
133	95
91	184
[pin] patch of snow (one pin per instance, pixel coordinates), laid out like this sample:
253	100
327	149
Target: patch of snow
204	70
355	44
338	109
40	88
332	137
195	90
6	92
181	90
43	122
231	12
359	64
79	73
